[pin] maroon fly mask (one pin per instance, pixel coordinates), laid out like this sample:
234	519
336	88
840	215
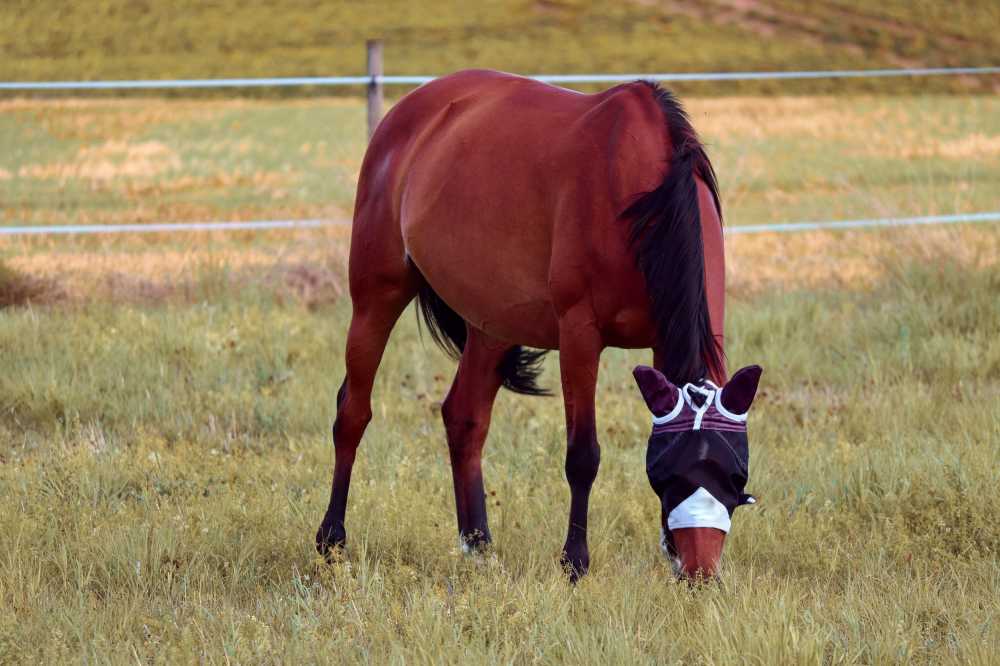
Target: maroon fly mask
697	461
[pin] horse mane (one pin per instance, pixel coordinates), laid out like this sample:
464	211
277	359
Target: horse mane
666	237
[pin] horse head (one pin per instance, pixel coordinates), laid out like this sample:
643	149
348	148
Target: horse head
697	462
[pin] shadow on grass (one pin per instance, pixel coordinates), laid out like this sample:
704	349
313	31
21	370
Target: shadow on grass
18	289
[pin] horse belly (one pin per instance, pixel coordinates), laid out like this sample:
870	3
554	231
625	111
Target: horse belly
483	279
487	273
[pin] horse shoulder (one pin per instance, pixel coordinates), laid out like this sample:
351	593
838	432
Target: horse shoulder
621	154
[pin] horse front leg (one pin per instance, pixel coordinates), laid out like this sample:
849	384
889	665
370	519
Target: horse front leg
580	348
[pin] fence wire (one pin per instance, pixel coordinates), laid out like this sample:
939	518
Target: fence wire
778	227
272	82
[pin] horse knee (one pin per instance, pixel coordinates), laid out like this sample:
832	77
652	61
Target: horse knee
350	424
465	431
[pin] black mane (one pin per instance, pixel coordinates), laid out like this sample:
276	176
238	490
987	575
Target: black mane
666	238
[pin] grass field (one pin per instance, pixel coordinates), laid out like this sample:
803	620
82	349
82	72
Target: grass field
165	405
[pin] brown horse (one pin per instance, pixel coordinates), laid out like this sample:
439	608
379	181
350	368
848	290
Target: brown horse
519	213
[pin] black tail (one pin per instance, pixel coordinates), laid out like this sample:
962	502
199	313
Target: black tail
666	237
447	328
519	367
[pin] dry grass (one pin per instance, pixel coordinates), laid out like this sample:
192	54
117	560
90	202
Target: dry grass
117	39
814	260
309	266
109	161
312	264
165	463
974	146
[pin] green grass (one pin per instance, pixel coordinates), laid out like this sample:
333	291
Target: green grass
122	39
164	467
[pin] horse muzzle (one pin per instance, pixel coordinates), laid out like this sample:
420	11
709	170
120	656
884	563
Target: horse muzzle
697	551
697	528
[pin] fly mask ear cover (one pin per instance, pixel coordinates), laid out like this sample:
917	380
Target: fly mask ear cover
697	458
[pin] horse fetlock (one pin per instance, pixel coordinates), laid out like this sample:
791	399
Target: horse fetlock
331	538
575	561
475	541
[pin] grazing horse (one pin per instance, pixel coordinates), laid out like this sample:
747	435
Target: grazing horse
518	213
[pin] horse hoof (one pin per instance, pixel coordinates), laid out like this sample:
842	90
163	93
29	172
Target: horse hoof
330	541
575	566
474	543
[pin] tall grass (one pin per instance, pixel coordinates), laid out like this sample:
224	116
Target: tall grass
163	468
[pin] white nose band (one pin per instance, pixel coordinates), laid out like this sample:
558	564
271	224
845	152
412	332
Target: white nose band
700	509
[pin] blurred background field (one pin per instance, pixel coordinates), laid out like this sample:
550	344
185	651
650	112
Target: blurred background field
166	400
159	160
781	159
125	39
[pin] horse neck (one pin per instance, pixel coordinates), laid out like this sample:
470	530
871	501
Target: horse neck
720	378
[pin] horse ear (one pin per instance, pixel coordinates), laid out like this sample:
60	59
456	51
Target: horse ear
738	393
660	395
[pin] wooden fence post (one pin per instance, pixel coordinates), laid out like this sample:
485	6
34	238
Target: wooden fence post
374	84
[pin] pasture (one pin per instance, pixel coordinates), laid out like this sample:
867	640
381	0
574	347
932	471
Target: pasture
165	406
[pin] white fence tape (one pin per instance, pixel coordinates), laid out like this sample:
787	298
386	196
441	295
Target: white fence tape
72	229
833	225
146	84
187	83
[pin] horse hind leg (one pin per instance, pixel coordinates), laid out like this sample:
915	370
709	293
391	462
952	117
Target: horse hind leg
466	413
378	300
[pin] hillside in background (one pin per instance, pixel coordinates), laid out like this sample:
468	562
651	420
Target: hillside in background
118	39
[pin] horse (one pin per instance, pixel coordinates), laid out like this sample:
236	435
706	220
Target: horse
523	218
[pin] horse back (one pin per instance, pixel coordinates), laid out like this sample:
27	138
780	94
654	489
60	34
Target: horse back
489	176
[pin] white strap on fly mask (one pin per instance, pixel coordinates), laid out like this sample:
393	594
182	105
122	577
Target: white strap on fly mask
719	407
667	418
699	410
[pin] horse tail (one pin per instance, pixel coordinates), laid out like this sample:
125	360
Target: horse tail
666	237
519	367
447	328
